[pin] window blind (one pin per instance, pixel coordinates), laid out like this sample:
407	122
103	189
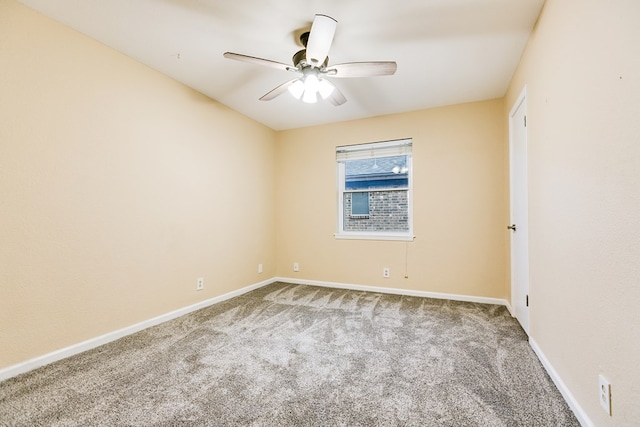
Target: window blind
398	147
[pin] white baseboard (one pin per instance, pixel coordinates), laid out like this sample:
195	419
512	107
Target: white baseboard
511	312
89	344
564	390
395	291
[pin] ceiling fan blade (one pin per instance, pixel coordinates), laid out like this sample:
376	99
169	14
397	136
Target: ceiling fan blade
279	90
320	39
363	69
259	61
336	97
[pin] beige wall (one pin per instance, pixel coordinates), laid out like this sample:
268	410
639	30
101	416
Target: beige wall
582	71
459	203
118	188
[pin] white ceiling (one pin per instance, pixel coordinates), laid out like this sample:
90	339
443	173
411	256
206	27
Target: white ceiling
448	51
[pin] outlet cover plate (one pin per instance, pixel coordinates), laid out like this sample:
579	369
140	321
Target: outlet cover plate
605	394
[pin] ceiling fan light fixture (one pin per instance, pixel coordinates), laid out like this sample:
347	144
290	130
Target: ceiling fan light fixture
310	97
325	88
311	83
296	89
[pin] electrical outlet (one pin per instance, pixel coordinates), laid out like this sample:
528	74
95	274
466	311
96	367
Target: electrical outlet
259	268
605	394
296	266
386	273
200	284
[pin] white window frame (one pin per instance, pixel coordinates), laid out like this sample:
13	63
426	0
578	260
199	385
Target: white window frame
369	151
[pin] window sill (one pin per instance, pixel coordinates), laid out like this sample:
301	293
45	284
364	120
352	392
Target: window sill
375	236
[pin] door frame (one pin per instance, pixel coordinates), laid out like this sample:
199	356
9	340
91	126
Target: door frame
523	223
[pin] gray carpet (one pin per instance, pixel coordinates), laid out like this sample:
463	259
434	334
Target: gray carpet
292	355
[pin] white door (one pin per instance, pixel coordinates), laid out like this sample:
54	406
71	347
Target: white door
519	226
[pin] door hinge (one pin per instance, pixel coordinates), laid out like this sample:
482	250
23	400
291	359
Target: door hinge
527	300
525	121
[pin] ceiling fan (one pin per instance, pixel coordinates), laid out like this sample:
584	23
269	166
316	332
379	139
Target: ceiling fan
312	62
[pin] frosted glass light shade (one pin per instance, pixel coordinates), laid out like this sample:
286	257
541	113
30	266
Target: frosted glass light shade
296	89
311	83
325	88
310	97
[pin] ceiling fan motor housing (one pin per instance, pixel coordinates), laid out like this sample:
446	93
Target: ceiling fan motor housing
300	59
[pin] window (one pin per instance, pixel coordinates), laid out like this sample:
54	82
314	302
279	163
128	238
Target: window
360	204
374	191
